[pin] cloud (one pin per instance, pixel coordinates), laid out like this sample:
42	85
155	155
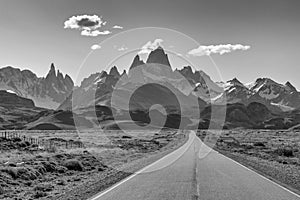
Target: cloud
94	33
89	25
150	46
95	46
217	49
122	48
91	22
117	27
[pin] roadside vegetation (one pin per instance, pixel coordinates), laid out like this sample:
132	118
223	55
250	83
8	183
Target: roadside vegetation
30	171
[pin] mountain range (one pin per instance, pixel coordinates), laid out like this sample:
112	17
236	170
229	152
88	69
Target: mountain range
46	92
186	96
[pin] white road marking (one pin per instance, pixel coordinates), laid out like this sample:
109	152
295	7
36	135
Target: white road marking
188	143
145	168
284	188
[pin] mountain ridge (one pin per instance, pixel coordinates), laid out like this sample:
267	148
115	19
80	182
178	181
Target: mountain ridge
46	92
264	103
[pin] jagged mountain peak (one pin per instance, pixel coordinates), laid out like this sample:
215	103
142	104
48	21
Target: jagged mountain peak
52	67
137	61
266	81
290	87
124	72
187	69
52	72
235	82
159	56
114	71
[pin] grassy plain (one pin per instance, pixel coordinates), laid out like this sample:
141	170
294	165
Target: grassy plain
30	171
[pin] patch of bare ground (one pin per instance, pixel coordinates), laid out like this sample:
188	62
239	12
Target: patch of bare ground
29	172
272	153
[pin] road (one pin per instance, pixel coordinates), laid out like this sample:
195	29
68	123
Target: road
182	175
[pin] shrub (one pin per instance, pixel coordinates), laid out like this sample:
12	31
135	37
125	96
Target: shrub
44	188
22	173
16	139
284	152
12	172
39	194
61	182
73	164
1	190
49	166
259	144
61	169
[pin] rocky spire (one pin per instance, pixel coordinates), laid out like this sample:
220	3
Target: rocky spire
136	62
114	72
290	86
158	56
52	72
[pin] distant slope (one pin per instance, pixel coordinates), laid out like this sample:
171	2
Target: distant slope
59	120
16	111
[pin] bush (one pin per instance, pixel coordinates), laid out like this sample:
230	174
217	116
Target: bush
73	164
16	139
126	137
61	169
49	166
22	173
12	172
39	194
61	182
284	152
1	190
259	144
44	188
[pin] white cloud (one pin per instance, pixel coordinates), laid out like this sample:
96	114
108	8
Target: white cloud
95	46
89	25
122	48
150	46
95	33
217	49
91	22
117	27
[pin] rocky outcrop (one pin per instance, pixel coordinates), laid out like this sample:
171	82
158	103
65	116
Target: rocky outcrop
48	92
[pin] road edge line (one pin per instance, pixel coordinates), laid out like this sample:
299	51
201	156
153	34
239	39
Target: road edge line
264	177
95	197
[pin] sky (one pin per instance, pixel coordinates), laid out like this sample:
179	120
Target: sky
34	35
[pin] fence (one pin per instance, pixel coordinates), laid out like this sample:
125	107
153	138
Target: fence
47	144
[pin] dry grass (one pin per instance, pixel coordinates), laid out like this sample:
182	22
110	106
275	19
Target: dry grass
102	153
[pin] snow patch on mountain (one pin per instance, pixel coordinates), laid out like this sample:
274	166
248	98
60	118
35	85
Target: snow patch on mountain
268	94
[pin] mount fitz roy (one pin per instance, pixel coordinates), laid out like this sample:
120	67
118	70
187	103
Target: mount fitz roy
261	104
277	97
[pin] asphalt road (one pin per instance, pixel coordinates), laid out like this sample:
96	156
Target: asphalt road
191	173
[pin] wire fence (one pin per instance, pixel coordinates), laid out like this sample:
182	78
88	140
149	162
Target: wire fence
47	144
